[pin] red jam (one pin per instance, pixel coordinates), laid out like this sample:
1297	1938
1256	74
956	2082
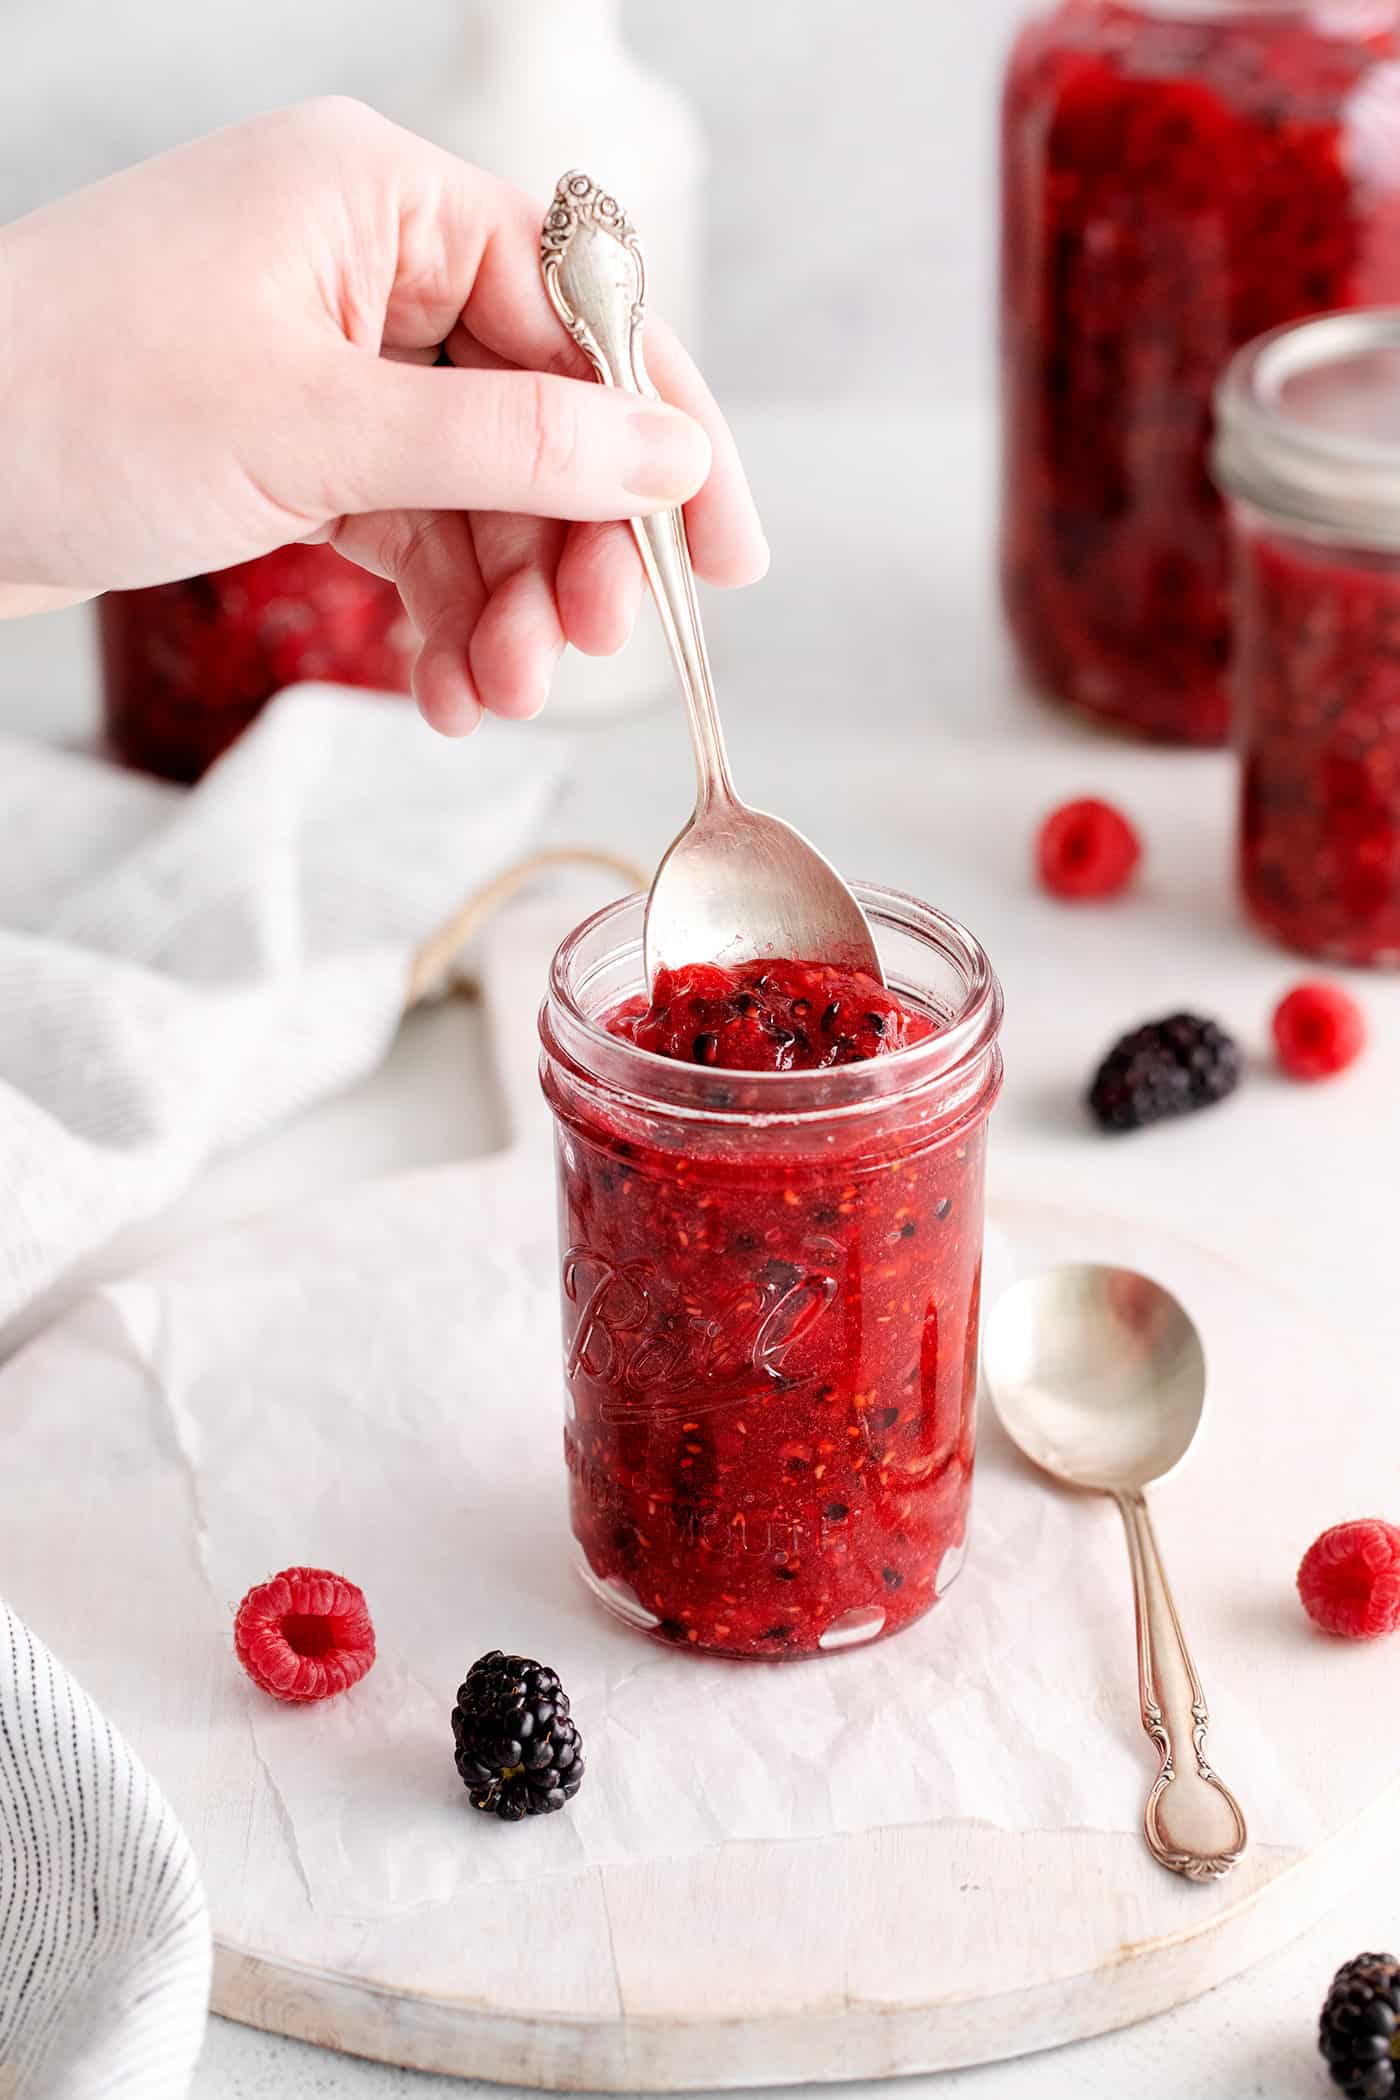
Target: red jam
1318	693
771	1327
187	666
778	1017
1173	185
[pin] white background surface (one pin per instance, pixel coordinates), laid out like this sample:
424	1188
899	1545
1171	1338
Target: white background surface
852	148
850	221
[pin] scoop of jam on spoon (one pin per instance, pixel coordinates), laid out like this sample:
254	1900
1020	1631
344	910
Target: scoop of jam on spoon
736	885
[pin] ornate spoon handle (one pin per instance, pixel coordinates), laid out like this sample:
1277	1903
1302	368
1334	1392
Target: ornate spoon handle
1193	1823
596	281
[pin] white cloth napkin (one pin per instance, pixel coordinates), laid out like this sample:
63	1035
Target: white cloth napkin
180	970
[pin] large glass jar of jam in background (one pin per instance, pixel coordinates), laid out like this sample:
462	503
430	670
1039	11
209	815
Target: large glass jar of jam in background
1309	454
186	666
1178	177
770	1295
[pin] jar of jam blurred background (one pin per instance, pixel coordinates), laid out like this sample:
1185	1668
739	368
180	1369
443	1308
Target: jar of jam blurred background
770	1288
187	666
1178	177
1308	453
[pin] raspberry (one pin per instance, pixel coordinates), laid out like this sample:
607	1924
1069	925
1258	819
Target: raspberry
1350	1580
1318	1030
306	1634
1087	850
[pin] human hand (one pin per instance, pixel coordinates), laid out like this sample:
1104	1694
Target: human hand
233	346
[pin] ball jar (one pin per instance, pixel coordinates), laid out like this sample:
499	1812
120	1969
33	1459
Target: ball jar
187	666
770	1286
1309	457
1179	176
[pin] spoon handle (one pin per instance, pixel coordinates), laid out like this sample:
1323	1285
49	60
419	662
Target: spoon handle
596	281
1193	1823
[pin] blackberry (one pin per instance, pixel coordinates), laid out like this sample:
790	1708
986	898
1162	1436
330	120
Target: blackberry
1167	1068
518	1752
1359	2033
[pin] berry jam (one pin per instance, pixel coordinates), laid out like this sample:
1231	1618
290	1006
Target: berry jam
770	1322
780	1017
1174	183
1318	694
187	666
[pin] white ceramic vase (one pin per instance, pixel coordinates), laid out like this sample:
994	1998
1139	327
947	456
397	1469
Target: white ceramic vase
548	85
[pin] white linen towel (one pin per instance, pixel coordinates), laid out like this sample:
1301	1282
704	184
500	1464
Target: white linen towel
178	970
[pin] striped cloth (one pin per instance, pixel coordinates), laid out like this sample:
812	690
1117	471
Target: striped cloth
104	1936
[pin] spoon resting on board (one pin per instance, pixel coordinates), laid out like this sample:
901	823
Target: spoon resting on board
736	885
1099	1377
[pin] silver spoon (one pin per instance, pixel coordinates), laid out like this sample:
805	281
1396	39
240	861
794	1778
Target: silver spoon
1100	1377
736	884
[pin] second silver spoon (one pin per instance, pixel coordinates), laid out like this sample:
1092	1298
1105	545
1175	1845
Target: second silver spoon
1100	1377
736	884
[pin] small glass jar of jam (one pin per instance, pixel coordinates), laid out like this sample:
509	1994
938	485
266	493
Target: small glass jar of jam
1308	453
770	1280
1179	176
187	666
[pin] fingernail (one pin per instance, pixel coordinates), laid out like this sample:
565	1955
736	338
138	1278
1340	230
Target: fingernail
671	455
535	702
457	719
445	699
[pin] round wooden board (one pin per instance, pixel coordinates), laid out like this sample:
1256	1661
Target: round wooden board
829	1956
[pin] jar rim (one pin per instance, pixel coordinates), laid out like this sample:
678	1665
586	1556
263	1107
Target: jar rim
1335	482
570	1031
1349	18
1208	10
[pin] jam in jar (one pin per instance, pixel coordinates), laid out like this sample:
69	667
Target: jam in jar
1178	177
187	666
1309	455
771	1212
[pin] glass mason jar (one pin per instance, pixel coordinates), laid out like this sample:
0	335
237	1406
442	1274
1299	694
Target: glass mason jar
1178	177
770	1289
187	666
1308	454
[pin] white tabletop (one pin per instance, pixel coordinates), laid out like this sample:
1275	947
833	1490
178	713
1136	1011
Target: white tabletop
868	696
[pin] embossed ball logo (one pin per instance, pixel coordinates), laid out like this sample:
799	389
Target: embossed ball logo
651	1357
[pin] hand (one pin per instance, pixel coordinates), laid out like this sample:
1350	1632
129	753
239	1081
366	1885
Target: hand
233	346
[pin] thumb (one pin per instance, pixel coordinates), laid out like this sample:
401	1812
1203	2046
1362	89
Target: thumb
414	437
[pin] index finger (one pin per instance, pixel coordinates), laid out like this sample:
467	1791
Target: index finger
469	257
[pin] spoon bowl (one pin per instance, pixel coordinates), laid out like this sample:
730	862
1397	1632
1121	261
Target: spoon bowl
1099	1376
736	885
